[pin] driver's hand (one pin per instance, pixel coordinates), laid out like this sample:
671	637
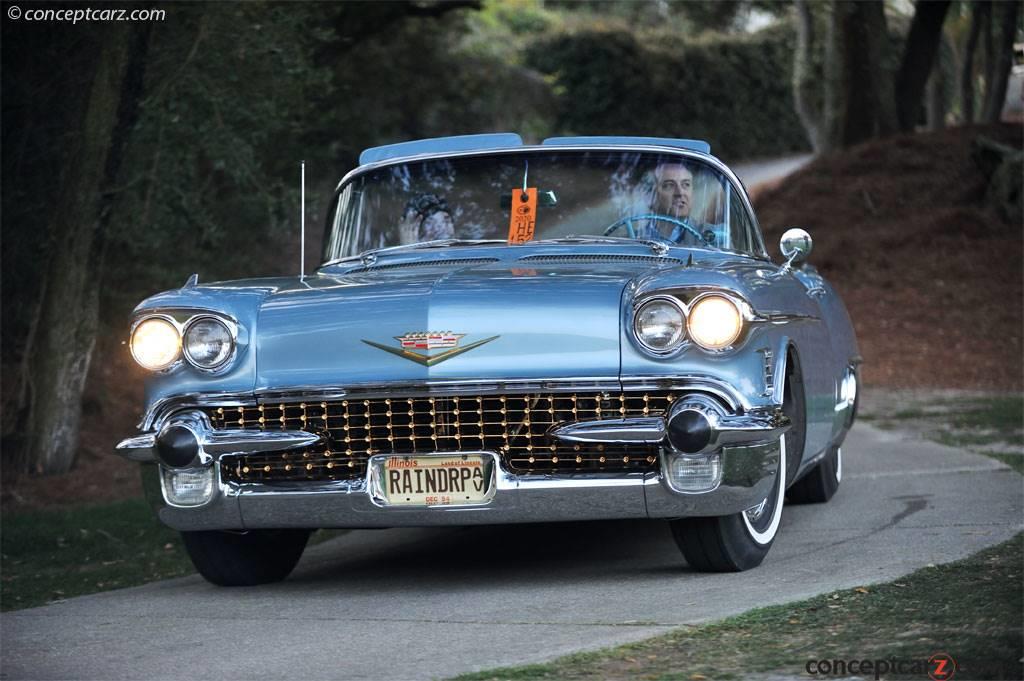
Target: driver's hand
409	229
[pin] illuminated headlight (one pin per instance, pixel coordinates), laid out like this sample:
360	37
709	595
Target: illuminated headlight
659	325
155	343
714	322
208	343
188	486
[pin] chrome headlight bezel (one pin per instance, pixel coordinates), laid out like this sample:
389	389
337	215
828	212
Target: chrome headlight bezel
676	345
743	317
232	339
182	320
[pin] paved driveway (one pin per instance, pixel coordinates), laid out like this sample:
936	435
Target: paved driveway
413	604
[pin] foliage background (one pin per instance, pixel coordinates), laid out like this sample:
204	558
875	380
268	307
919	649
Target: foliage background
237	94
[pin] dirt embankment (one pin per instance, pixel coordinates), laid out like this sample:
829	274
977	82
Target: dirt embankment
932	276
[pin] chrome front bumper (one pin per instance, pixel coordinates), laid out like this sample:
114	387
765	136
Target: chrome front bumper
747	476
747	448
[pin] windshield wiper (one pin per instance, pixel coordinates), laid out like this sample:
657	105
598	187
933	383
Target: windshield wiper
657	247
369	257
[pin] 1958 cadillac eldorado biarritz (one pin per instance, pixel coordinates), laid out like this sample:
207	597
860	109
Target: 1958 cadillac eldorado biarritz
589	328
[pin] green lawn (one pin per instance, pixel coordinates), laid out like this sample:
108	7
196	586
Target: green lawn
971	609
50	555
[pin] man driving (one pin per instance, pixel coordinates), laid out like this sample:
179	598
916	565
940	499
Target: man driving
673	198
673	190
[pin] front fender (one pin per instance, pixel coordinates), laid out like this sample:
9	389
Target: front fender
240	305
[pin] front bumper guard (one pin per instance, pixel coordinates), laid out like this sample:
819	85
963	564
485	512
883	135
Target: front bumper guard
211	444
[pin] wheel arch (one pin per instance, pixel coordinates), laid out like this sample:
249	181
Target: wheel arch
791	387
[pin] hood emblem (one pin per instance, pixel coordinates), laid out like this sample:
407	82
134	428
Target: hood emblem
429	340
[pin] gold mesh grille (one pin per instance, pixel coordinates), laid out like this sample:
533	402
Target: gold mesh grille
514	426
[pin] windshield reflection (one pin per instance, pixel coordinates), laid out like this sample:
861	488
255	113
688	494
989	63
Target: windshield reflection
596	196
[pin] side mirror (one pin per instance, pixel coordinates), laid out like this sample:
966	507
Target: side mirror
796	246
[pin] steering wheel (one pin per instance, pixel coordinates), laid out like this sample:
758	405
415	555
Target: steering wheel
628	222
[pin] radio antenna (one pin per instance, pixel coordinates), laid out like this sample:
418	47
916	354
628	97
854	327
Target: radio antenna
302	222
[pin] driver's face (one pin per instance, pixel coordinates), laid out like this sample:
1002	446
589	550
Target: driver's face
673	191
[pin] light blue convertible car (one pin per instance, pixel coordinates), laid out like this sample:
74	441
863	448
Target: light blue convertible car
585	329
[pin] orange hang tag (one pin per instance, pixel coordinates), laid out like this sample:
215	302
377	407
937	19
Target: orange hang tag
524	215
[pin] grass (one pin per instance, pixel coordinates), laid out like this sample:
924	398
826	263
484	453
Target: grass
992	426
971	609
51	555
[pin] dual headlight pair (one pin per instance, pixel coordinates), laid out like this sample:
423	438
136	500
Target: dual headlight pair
713	322
206	343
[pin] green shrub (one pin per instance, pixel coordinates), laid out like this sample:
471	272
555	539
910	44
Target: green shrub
733	91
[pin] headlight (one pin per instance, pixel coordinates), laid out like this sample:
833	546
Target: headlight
659	325
714	322
208	343
155	343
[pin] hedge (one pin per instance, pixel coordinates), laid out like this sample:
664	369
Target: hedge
733	92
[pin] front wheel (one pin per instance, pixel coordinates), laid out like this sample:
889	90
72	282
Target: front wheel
821	482
737	542
245	558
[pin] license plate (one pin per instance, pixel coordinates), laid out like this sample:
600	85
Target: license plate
445	480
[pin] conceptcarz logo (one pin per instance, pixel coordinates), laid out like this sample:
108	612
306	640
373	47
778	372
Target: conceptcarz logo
938	667
429	340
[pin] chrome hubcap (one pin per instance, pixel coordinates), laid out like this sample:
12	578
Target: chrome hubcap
755	512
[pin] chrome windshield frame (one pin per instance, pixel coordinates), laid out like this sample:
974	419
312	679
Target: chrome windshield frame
734	183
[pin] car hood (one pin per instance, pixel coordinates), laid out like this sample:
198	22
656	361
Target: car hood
495	320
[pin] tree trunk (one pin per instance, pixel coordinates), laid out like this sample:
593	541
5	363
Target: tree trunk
989	54
864	104
995	91
877	48
832	88
918	58
979	14
803	79
936	98
58	361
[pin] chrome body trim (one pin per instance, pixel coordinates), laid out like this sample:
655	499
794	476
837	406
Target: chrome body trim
725	429
764	425
649	430
748	473
138	448
213	444
162	409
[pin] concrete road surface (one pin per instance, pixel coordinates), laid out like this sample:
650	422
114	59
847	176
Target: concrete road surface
423	603
754	173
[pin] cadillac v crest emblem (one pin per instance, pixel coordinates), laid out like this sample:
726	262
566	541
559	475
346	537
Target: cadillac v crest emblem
446	341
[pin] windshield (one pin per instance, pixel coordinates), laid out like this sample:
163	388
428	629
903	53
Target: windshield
534	196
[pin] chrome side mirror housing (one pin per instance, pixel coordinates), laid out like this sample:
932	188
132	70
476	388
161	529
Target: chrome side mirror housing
796	246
